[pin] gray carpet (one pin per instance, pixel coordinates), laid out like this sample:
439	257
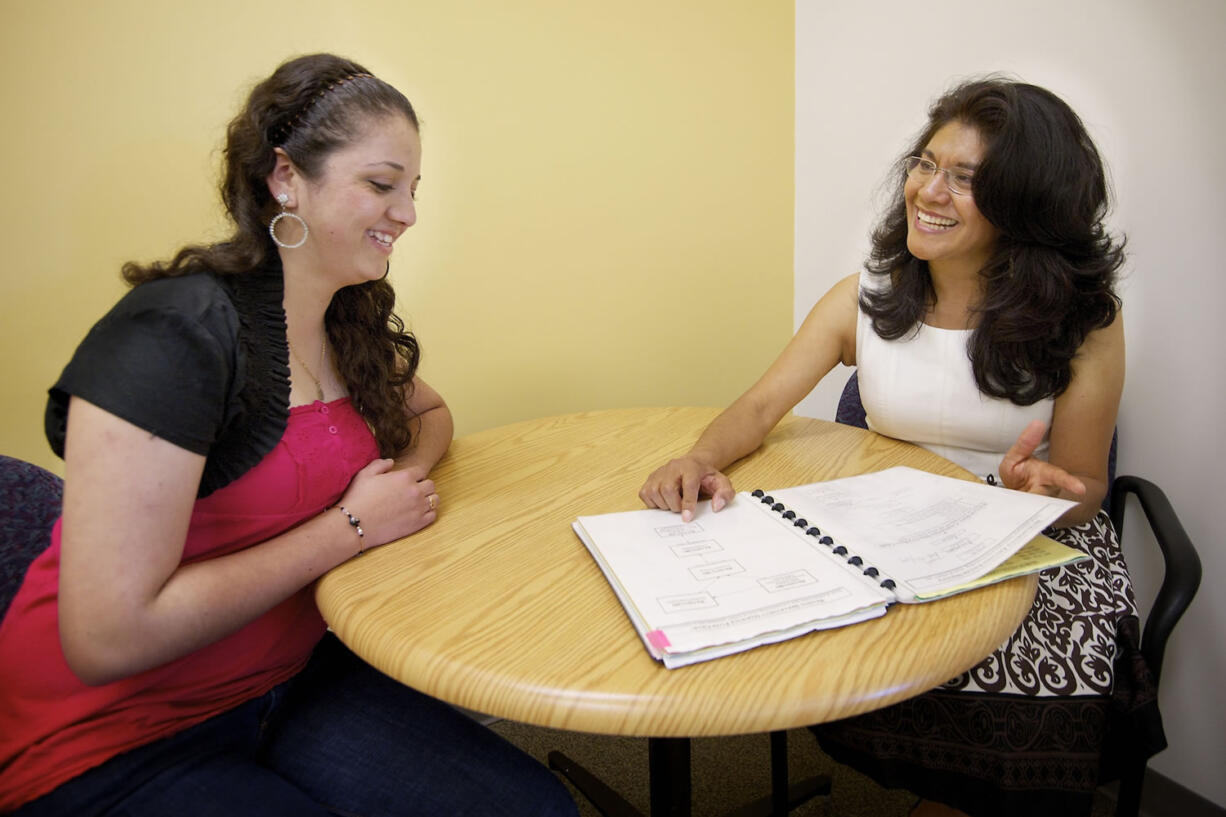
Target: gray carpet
727	772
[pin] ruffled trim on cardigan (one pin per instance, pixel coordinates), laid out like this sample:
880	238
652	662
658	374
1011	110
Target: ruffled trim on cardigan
258	405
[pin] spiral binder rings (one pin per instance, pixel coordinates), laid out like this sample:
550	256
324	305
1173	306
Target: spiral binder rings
823	538
775	565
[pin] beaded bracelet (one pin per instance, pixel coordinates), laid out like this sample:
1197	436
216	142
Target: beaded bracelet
356	524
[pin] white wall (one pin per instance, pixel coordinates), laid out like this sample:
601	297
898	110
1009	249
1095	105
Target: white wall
1146	78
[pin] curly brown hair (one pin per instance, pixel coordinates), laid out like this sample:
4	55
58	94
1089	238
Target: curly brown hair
309	107
1050	279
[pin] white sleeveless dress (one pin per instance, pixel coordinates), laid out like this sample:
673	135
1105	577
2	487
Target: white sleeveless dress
920	388
1023	731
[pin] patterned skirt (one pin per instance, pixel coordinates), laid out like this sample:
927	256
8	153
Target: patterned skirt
1031	728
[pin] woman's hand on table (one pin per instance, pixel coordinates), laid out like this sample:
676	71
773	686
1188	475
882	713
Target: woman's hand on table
390	503
678	485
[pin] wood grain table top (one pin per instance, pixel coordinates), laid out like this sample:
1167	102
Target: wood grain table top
498	607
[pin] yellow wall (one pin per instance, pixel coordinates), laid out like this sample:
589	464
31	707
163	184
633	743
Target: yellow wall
605	215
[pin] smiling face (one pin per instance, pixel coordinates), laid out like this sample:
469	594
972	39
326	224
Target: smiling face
944	229
360	203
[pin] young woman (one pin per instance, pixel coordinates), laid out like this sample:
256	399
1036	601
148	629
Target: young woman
246	418
986	329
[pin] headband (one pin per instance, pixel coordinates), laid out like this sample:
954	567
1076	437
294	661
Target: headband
281	134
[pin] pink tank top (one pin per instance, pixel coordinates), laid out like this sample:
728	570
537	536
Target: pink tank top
53	727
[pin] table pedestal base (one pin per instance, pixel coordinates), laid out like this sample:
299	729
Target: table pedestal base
669	761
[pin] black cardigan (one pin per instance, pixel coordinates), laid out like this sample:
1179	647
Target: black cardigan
199	360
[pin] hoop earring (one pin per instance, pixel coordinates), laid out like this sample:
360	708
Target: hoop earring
272	225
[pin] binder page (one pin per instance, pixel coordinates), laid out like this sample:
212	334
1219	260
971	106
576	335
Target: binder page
674	659
1038	554
928	533
723	578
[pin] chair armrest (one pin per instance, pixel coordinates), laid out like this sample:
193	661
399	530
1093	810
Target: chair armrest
1182	565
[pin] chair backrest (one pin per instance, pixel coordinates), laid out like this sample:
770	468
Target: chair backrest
851	411
30	501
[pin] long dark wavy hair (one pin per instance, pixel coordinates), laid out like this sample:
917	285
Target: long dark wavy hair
1050	279
309	107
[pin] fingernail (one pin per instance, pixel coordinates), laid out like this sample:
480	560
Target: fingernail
687	515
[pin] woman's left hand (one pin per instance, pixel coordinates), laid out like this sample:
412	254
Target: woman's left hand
392	503
1022	471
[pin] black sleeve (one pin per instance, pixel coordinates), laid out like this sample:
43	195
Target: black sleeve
164	359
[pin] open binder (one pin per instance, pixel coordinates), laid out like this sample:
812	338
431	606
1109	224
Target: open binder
775	565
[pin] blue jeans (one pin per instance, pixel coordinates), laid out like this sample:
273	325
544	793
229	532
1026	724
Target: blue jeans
338	739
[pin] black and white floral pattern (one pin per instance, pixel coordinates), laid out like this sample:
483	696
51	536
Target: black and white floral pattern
1067	644
1034	727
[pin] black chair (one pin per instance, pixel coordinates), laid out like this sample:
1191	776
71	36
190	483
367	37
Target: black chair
1181	578
30	501
850	411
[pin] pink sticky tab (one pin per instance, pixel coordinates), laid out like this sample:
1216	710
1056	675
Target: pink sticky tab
658	639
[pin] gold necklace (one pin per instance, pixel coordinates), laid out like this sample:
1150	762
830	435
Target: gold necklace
323	350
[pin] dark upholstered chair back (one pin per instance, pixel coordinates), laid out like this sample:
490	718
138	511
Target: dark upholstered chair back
851	411
30	500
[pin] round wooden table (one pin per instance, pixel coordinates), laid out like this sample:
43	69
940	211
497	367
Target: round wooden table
499	608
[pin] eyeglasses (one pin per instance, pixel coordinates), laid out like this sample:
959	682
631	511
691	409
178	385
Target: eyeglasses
957	180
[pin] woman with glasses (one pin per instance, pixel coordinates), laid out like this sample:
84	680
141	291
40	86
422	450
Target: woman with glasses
984	328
